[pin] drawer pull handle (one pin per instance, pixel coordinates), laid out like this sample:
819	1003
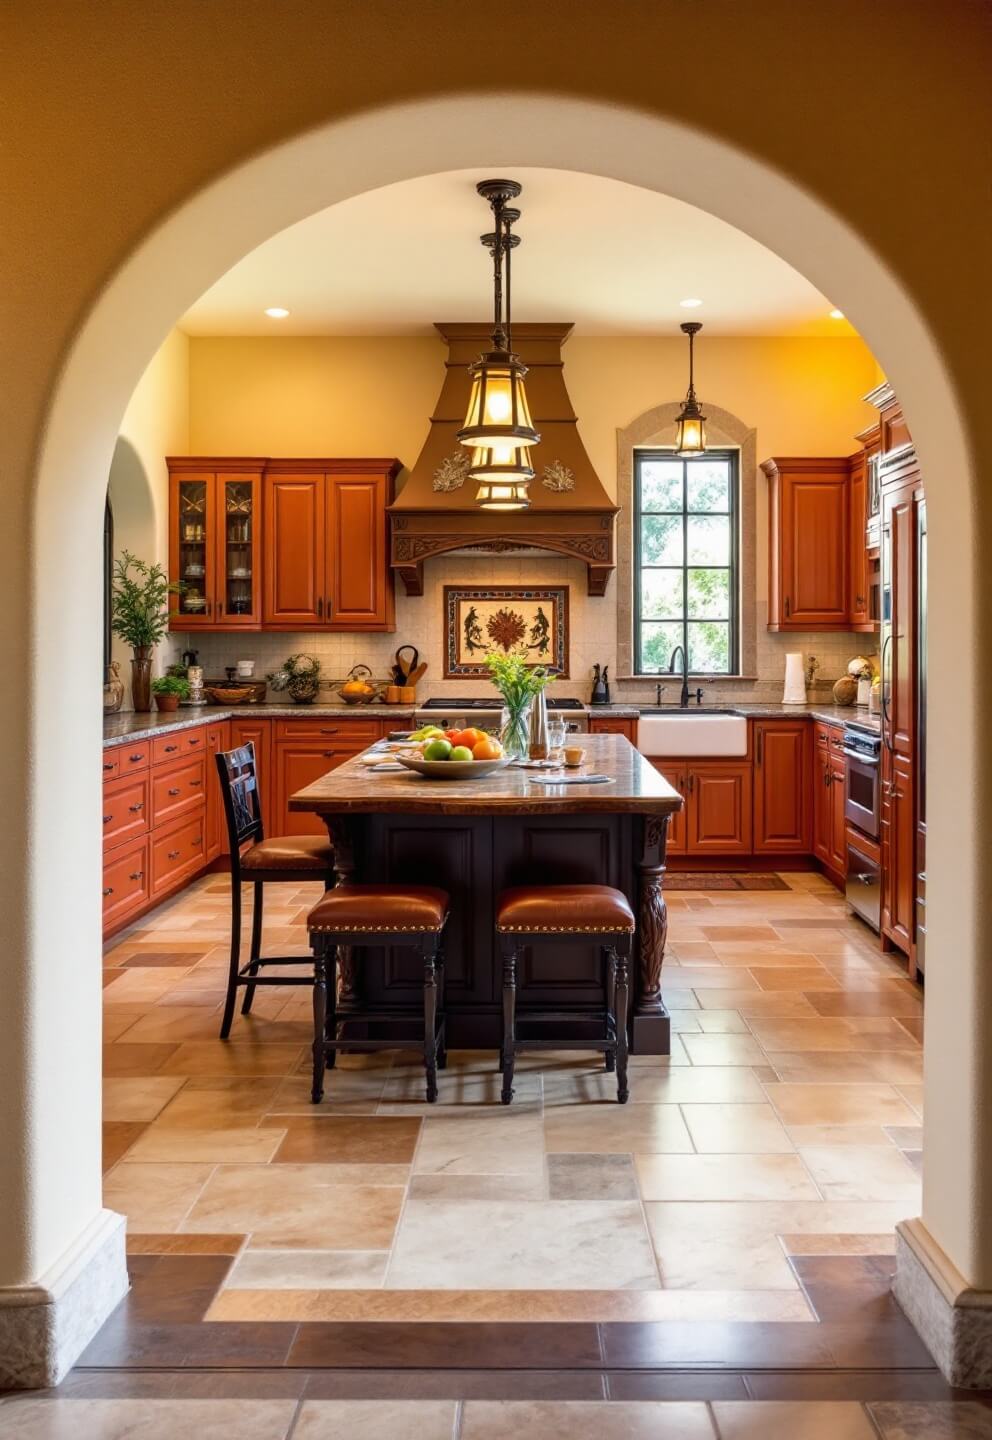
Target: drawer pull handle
174	854
135	808
135	758
194	783
329	730
136	875
176	791
194	741
108	764
107	819
169	749
198	840
108	890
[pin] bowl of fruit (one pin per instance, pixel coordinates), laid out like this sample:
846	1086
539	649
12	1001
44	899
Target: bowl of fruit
452	754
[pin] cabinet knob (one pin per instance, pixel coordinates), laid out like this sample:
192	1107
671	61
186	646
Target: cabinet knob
108	890
107	819
136	875
135	808
194	783
169	749
108	765
193	740
135	758
176	791
174	854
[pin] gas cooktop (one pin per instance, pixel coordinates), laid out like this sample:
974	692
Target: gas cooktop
476	702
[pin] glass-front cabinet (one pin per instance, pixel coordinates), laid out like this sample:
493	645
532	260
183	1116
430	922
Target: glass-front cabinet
215	546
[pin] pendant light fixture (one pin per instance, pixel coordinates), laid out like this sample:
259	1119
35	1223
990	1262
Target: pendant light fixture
690	427
498	425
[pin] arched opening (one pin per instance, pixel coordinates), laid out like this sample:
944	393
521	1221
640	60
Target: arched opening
162	278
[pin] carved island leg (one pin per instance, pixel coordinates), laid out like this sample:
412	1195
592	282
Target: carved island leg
344	871
651	1025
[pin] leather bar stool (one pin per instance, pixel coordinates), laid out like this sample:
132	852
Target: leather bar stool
402	915
280	859
536	914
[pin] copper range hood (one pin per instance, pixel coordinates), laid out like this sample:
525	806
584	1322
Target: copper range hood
570	512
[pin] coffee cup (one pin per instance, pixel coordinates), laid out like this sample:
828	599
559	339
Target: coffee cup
574	755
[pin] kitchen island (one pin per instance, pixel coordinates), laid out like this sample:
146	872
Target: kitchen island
474	838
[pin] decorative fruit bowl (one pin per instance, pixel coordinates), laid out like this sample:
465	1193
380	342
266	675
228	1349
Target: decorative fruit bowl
452	769
359	688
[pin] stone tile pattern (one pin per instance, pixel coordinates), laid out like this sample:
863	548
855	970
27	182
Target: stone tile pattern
774	1133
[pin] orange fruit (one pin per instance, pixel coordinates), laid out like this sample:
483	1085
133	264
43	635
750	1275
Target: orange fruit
488	748
472	736
454	737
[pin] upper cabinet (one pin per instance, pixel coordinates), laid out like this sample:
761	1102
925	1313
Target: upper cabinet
215	543
819	575
281	544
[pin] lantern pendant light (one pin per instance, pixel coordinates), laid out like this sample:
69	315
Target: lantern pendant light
690	427
498	425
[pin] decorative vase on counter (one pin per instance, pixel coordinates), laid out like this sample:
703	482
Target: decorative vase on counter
514	731
113	689
141	679
304	689
537	730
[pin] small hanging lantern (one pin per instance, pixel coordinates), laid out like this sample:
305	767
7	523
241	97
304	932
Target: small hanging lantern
690	427
498	425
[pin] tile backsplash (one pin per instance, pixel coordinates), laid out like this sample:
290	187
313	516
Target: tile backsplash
592	630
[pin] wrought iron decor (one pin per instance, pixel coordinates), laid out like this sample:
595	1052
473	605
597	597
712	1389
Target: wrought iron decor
522	618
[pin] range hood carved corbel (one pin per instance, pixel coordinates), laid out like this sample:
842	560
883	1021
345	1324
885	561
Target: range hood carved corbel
570	512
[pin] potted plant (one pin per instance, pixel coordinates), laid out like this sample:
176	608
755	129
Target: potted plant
140	617
517	681
300	675
169	690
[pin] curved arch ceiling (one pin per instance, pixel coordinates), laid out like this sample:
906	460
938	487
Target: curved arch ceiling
613	257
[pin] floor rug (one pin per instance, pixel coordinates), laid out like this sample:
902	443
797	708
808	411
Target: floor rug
721	880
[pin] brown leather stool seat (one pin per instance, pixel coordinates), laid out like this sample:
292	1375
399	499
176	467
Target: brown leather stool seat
289	852
564	909
353	915
417	908
529	915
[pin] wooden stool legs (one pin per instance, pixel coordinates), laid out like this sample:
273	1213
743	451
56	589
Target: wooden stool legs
508	1050
620	959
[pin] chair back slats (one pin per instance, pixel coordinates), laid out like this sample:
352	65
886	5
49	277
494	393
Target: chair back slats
239	787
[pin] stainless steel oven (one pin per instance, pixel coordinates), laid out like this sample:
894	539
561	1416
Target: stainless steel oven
863	779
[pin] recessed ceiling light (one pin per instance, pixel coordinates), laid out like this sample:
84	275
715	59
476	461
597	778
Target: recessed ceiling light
836	314
690	303
276	312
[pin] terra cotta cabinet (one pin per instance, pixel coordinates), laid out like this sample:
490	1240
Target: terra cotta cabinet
215	543
781	788
808	546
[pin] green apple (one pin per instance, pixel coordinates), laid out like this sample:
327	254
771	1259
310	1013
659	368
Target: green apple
439	749
460	752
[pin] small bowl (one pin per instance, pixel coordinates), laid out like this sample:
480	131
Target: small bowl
453	769
230	694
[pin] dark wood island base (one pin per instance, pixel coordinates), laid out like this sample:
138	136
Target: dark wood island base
475	838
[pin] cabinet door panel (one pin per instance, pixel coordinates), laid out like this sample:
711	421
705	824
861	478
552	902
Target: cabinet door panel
616	725
674	771
814	516
126	811
215	840
297	764
838	821
259	732
193	550
901	871
239	551
822	812
719	813
899	636
781	788
126	882
294	550
858	596
359	584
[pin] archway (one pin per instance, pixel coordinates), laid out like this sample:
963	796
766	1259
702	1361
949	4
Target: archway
54	1183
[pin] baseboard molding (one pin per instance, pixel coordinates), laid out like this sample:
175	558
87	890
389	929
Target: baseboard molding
953	1320
46	1325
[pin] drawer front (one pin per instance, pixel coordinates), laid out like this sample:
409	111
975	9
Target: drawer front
837	741
177	790
821	735
177	854
604	725
125	809
179	744
111	764
351	734
126	882
134	758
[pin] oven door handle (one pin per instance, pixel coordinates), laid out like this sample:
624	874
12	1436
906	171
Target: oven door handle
861	759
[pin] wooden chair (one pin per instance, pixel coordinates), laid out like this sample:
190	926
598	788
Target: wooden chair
286	858
350	915
536	914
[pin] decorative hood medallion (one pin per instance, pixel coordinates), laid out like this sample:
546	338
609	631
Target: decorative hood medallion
570	512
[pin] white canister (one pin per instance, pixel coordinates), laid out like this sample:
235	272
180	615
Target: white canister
246	669
795	679
864	690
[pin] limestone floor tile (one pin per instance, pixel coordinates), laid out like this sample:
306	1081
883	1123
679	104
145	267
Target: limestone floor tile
736	1129
896	1067
792	1420
932	1420
711	1177
346	1139
656	1086
784	1004
885	1000
142	985
376	1420
137	1098
720	1022
155	1196
240	1145
208	1101
502	1144
832	1034
798	977
723	1050
757	957
151	1419
802	1135
458	1090
727	934
592	1177
586	1420
706	977
851	1104
172	1024
906	1137
617	1129
119	1018
913	1095
539	1244
308	1270
202	1057
300	1206
446	1186
863	1172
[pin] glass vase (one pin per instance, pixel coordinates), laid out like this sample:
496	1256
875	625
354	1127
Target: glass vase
514	728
